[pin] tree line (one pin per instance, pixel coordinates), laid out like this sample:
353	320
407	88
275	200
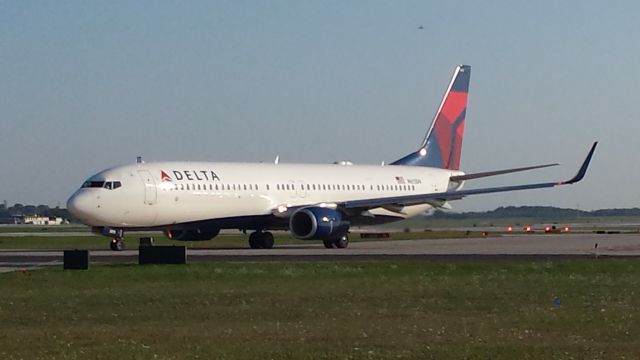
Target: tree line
8	212
536	212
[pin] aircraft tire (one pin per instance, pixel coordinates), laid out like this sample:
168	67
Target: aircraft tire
267	240
117	245
342	242
255	241
328	243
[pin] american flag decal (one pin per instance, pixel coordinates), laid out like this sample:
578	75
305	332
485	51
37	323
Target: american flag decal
400	179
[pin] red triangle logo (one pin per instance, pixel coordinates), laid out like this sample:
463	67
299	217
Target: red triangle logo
164	176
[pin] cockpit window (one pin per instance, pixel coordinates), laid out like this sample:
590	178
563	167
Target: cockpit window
93	184
110	185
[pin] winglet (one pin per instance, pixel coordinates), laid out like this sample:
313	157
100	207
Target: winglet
583	168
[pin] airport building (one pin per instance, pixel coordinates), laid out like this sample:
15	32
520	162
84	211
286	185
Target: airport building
37	220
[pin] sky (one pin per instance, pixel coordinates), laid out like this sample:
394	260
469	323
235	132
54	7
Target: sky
86	85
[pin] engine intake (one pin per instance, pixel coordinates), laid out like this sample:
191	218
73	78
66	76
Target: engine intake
317	223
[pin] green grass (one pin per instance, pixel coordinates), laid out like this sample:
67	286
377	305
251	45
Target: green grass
42	229
36	241
346	310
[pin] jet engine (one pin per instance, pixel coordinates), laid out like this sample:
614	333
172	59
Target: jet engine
192	234
317	223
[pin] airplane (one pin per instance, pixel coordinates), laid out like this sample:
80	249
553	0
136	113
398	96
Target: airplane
191	201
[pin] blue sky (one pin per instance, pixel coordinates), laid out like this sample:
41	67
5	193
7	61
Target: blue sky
85	85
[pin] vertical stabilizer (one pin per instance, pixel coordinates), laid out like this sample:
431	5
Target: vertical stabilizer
442	145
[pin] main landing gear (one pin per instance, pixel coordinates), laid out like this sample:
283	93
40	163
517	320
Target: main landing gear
261	240
340	242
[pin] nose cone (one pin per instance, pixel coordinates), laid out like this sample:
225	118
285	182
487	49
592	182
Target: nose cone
79	206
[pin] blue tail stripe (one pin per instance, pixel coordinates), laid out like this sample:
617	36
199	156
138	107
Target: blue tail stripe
461	84
432	158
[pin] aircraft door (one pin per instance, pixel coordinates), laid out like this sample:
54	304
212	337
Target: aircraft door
150	190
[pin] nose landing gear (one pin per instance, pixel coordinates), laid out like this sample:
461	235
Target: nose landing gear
116	235
117	244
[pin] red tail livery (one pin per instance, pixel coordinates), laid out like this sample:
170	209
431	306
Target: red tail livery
442	146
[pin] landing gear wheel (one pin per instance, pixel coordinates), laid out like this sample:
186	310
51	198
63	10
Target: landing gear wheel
117	245
328	243
254	240
267	240
342	242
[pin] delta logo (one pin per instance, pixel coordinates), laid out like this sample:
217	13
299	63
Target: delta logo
164	176
191	175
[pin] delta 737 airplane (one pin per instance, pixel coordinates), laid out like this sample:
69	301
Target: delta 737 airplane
195	200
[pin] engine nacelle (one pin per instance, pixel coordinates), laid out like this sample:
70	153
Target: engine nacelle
317	223
192	234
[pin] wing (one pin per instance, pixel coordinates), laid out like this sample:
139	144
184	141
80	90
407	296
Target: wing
455	195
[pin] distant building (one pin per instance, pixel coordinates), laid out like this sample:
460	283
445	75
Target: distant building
37	220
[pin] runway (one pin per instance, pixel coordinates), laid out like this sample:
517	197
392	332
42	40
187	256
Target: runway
511	247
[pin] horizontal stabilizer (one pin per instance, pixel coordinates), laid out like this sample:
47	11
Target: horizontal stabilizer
497	172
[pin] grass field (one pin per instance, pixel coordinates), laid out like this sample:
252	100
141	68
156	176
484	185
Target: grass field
345	310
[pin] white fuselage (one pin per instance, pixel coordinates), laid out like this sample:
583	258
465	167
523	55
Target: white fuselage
147	195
